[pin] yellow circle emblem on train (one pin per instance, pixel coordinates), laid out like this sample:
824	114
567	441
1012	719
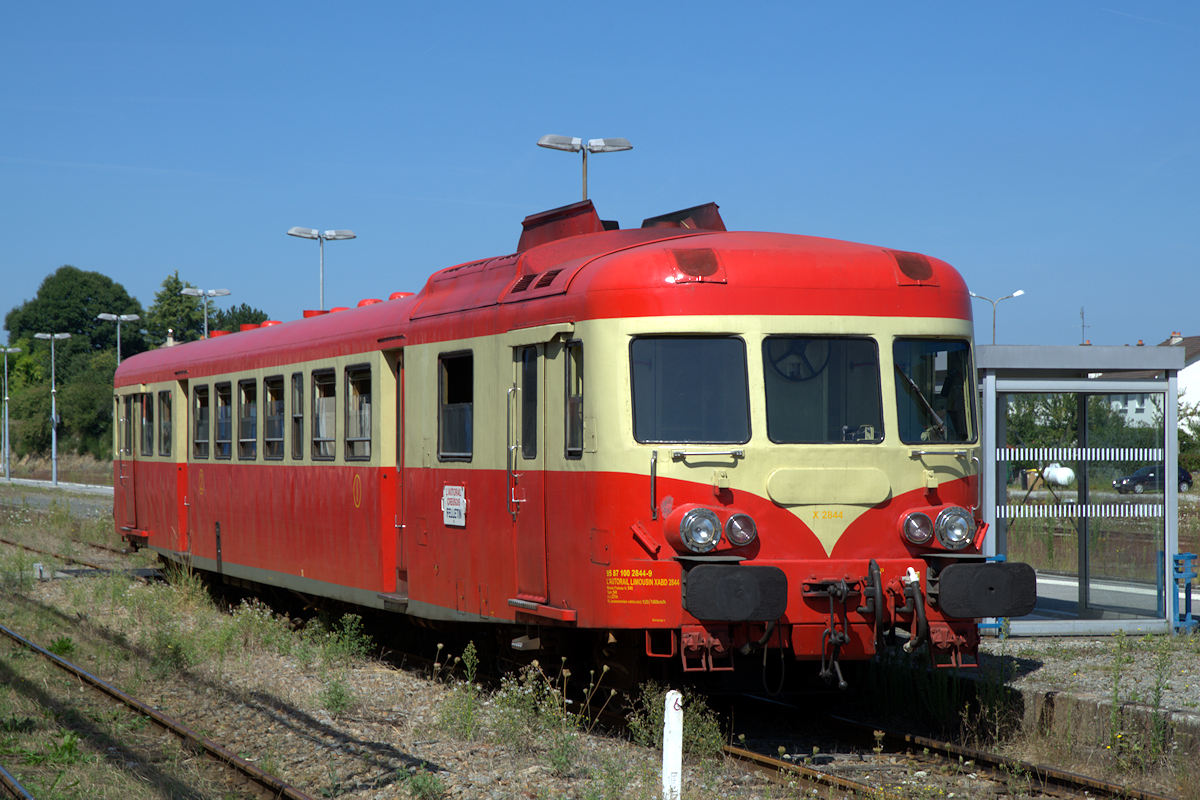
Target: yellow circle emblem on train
356	490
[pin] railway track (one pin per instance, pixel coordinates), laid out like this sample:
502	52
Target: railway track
863	760
261	783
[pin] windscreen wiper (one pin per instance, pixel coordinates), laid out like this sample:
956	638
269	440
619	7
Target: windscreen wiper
939	424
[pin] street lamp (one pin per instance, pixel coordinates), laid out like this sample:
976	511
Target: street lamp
327	236
7	350
994	303
192	291
53	337
573	144
119	318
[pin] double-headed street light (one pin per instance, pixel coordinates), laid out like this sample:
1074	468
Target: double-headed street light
53	337
119	318
322	237
994	303
573	144
192	291
7	350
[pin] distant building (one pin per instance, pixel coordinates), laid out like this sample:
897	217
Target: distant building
1137	409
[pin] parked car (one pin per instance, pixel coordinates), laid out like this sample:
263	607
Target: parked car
1150	477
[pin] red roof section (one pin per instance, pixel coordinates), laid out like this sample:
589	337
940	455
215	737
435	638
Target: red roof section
617	273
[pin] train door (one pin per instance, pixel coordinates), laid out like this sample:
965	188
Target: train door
175	435
396	364
127	410
526	465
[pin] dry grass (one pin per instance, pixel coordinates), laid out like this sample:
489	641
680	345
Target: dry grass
71	469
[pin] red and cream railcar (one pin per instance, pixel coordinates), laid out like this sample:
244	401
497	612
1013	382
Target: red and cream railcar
700	442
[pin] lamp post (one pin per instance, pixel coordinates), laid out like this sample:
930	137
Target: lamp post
573	144
118	318
7	350
321	237
192	291
53	337
995	303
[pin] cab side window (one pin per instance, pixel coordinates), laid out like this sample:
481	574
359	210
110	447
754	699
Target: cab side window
456	399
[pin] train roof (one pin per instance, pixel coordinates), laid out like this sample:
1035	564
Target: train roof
577	266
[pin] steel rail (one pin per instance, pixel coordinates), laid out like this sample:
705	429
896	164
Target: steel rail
67	559
277	787
1046	775
774	765
12	787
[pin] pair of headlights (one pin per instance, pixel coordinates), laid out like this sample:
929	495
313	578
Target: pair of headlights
700	530
954	528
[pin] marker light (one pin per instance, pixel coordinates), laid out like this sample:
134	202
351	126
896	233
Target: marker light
740	530
700	530
918	528
955	528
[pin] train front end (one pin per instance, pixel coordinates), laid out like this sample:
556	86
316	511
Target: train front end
801	468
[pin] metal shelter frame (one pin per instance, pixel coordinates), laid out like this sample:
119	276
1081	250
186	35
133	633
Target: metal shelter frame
1005	369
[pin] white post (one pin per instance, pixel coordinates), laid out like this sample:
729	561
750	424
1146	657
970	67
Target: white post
672	771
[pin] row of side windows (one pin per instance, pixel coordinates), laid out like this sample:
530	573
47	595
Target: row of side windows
225	417
456	402
141	407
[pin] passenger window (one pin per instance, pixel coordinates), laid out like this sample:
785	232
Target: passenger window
165	421
200	422
297	415
273	417
574	399
455	403
146	401
224	439
324	432
529	402
247	419
358	413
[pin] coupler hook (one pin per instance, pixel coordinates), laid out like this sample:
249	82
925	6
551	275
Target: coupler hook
833	638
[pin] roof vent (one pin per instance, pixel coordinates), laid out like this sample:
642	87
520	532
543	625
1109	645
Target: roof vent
399	295
703	217
559	223
314	312
547	278
370	301
522	284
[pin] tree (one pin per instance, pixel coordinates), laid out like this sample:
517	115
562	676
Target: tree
68	301
171	311
233	319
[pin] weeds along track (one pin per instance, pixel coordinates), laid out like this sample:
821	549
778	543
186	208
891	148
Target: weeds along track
799	743
1043	778
246	774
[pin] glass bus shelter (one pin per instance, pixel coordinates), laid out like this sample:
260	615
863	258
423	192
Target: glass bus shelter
1080	443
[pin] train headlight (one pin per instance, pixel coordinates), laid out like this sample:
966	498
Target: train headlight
700	530
740	530
955	528
918	528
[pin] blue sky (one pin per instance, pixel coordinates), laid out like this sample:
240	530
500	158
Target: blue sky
1048	146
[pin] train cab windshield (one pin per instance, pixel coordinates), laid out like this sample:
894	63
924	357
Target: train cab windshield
934	396
822	389
690	389
818	389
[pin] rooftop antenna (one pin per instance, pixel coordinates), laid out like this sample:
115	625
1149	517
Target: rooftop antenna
1083	326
